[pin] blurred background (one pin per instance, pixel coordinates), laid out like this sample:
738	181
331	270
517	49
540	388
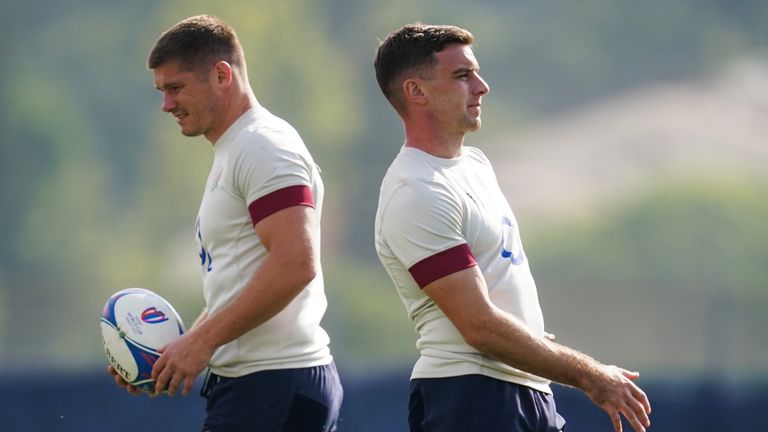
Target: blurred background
631	138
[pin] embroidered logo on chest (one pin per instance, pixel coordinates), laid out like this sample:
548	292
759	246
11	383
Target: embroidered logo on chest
216	178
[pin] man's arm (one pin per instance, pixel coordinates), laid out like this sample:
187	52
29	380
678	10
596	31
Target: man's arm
291	264
463	297
200	319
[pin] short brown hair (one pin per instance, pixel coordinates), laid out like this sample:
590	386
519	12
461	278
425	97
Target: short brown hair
197	43
411	49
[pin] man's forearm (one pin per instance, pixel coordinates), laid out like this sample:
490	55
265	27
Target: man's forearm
510	341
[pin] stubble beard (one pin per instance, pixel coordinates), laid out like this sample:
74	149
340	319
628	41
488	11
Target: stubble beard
475	125
472	124
206	113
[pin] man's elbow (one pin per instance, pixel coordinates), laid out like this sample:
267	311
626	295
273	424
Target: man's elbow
308	274
478	335
303	270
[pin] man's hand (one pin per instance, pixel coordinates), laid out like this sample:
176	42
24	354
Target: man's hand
121	382
181	361
616	393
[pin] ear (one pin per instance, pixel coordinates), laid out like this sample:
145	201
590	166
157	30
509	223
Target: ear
414	91
221	73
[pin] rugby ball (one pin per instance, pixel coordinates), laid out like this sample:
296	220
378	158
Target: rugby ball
135	323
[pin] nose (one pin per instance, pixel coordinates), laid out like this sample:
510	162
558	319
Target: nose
481	87
168	102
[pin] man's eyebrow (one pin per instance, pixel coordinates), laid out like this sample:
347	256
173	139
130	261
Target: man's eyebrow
168	85
464	69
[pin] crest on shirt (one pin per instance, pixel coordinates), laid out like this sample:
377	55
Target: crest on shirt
218	173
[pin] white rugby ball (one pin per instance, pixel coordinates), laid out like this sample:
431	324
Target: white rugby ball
135	323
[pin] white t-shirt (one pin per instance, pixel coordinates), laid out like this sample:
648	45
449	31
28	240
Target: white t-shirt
260	166
436	217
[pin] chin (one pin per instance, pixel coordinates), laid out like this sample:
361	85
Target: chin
191	133
474	126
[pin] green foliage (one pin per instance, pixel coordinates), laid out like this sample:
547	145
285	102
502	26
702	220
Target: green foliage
678	269
717	227
368	324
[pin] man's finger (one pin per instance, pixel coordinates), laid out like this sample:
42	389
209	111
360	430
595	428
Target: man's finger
158	367
637	426
173	384
616	420
642	398
161	383
187	386
636	418
630	374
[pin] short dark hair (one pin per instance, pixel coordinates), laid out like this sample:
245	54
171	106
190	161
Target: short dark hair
197	43
409	49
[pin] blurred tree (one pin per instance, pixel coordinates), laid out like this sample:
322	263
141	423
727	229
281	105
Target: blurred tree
678	270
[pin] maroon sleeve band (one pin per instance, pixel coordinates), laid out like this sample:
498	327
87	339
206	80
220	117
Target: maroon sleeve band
280	199
442	264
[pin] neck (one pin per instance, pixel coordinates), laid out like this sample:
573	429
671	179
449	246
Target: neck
231	108
434	140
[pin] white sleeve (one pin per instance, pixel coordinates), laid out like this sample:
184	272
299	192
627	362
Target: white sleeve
263	167
421	219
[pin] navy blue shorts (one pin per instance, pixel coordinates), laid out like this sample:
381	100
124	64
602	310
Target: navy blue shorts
284	400
477	403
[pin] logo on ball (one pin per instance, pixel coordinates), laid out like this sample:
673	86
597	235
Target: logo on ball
153	316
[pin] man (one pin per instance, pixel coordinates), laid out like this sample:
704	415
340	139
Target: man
259	233
450	243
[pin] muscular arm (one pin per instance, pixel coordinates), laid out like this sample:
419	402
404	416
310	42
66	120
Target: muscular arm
289	267
463	297
291	264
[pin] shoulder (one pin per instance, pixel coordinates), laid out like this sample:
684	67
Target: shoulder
261	139
422	203
272	127
412	180
475	155
414	168
424	191
270	141
260	130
